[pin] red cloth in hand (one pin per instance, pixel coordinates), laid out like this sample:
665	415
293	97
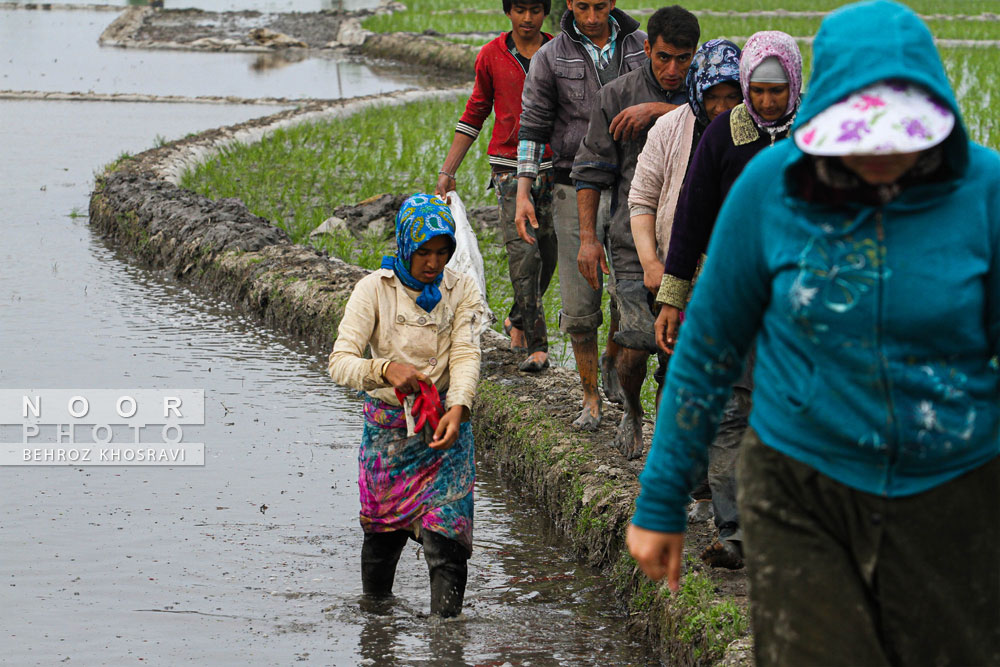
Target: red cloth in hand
427	406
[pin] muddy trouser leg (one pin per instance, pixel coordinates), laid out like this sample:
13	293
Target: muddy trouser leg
531	266
841	577
722	455
447	561
379	556
581	305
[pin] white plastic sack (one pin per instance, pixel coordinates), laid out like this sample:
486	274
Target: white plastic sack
467	258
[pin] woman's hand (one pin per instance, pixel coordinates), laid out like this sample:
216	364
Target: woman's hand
668	321
446	433
657	554
404	377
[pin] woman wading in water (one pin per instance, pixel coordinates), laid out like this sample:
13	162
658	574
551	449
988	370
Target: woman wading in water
864	259
421	322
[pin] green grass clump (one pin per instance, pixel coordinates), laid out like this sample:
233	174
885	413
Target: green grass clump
714	623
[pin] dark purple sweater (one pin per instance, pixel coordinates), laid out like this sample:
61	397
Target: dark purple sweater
713	169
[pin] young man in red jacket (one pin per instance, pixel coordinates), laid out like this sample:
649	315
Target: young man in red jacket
501	68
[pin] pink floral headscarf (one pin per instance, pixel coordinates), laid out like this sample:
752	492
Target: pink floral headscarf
765	44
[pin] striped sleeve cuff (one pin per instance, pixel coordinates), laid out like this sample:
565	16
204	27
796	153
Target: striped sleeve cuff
467	129
674	291
529	155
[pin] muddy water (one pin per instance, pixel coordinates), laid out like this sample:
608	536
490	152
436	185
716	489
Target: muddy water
251	559
57	51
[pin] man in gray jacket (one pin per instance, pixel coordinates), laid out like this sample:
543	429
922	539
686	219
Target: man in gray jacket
598	43
607	160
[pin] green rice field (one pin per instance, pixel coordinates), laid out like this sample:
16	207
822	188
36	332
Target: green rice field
480	16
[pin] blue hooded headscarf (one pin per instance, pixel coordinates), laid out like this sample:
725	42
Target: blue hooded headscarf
420	218
717	61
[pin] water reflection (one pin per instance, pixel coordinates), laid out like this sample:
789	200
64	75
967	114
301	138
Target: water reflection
279	59
383	640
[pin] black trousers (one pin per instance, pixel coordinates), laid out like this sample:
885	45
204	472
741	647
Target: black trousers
447	563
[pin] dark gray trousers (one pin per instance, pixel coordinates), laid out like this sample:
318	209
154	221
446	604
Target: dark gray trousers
531	265
841	577
722	456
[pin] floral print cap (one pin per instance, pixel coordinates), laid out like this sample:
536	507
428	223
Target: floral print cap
887	117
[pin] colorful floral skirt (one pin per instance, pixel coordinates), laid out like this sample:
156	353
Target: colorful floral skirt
406	485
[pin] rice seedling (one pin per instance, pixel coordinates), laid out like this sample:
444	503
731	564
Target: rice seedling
475	40
366	251
975	74
442	23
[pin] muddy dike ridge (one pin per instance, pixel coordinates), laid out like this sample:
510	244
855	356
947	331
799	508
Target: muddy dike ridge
295	34
521	421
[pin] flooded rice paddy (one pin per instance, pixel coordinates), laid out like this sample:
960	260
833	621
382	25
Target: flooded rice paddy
57	51
253	558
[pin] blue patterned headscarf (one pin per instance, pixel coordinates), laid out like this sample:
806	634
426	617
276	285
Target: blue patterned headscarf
717	61
420	218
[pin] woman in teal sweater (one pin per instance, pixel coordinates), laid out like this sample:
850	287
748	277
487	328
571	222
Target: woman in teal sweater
865	258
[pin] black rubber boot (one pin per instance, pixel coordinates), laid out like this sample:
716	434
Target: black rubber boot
379	556
447	561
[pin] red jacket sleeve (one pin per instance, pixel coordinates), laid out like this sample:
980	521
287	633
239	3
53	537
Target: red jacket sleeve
480	103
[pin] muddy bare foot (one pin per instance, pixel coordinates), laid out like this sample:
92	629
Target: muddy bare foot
723	553
628	440
517	339
609	381
590	417
535	363
518	343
